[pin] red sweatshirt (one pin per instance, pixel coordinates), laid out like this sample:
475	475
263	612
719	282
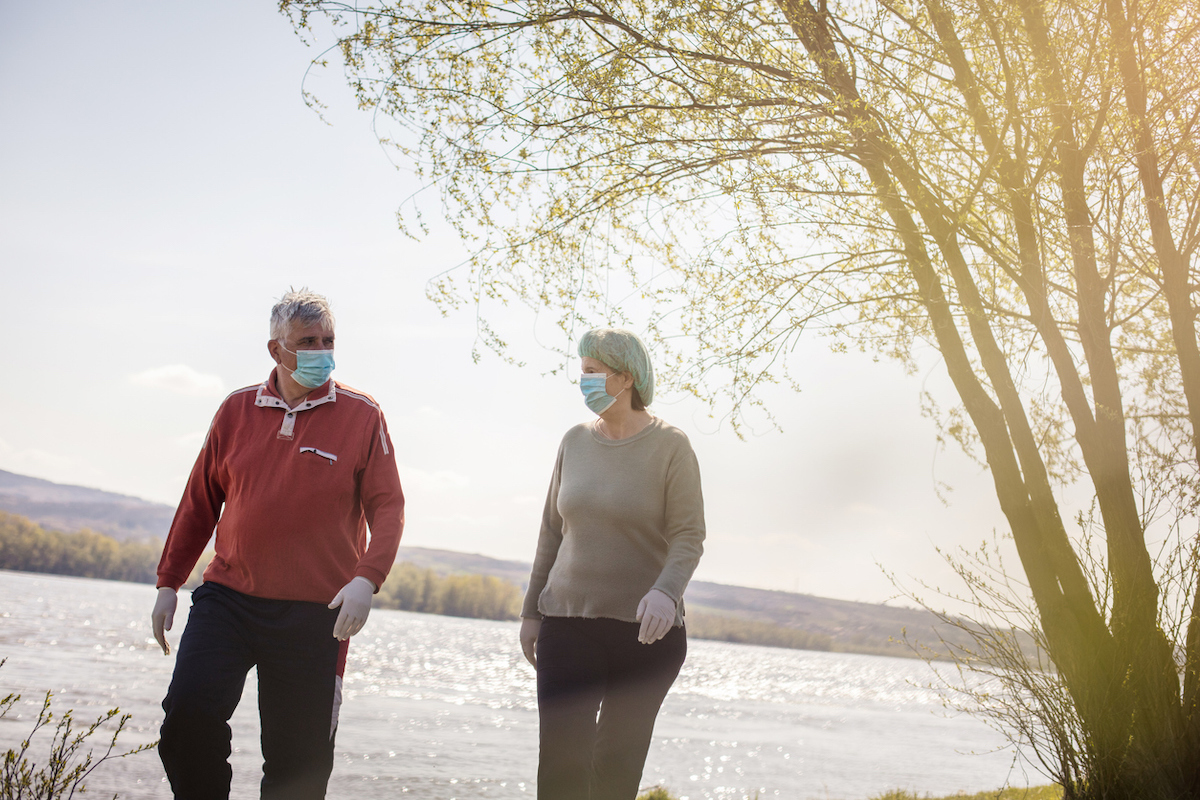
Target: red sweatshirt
299	489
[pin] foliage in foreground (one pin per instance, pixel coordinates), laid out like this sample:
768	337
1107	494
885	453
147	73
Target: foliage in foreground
657	793
67	765
1050	792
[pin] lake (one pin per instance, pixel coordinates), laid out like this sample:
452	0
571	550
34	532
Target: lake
441	708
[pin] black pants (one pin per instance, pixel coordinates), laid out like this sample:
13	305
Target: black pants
587	666
298	663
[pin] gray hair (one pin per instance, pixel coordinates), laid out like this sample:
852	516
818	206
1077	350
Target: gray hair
299	306
625	352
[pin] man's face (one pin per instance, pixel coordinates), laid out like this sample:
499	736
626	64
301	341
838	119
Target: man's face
309	337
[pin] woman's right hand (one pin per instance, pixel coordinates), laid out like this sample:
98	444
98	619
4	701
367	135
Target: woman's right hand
529	634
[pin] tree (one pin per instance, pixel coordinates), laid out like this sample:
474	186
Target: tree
27	546
1012	184
411	588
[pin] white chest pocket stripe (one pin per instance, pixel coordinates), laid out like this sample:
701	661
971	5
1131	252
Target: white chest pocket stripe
332	458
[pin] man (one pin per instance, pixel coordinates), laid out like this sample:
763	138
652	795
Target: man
291	475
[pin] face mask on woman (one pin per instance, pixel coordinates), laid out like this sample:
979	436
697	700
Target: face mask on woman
595	395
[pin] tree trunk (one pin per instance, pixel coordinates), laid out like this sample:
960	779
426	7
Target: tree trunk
1121	676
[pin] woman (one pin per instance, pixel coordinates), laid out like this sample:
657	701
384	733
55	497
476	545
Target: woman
621	534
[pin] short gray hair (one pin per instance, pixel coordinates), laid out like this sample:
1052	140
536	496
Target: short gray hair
625	352
299	306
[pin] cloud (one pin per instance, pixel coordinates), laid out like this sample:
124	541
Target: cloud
181	379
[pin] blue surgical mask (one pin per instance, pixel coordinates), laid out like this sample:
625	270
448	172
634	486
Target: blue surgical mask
594	394
313	367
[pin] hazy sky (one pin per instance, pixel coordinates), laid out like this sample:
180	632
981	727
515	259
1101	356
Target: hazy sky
162	183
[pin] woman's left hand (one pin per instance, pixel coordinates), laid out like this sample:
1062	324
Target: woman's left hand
656	612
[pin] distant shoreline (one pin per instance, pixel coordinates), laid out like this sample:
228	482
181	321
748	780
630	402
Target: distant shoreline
119	537
27	547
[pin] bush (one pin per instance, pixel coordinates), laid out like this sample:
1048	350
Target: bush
67	766
1051	792
657	793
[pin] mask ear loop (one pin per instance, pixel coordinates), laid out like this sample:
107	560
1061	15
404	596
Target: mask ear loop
613	396
283	347
623	388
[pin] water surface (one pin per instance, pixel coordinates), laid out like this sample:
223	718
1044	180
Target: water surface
441	708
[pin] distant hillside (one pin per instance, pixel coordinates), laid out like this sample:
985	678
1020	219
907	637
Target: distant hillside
72	508
449	561
851	626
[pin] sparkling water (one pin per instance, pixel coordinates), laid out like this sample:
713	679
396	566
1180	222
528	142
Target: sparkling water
442	708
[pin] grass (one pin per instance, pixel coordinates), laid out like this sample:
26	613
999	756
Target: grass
1051	792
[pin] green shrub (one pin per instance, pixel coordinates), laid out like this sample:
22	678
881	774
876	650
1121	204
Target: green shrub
1051	792
657	793
67	766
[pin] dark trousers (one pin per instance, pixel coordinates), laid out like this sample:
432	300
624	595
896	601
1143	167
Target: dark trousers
298	662
587	666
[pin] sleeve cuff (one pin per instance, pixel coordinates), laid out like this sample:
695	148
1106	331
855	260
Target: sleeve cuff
668	592
374	576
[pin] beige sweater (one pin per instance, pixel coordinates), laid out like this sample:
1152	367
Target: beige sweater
622	517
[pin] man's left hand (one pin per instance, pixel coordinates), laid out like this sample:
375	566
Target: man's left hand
355	600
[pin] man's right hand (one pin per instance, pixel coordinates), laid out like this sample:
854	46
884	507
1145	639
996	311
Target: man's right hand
163	616
529	634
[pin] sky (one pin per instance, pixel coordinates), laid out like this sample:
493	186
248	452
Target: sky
162	183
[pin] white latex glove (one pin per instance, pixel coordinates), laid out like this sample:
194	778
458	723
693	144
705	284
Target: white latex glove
529	633
163	616
355	600
656	612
